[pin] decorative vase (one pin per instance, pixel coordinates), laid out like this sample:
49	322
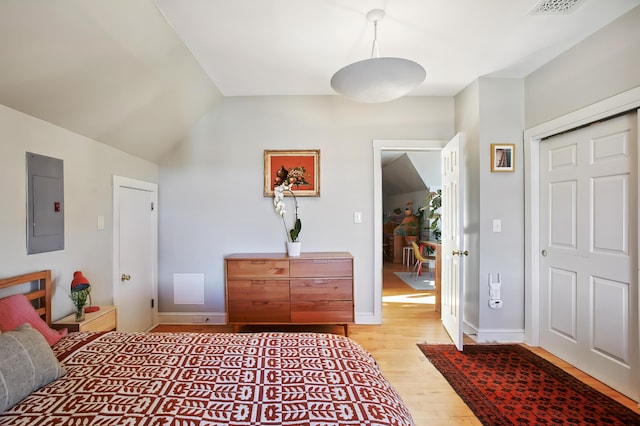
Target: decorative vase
293	248
79	314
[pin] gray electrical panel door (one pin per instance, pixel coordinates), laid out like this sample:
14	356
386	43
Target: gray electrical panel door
45	204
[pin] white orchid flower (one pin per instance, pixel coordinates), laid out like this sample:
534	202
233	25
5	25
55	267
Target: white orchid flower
278	202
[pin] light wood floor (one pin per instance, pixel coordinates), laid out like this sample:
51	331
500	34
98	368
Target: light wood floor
409	317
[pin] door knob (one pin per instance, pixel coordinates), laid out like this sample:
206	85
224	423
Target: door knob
544	253
458	253
125	277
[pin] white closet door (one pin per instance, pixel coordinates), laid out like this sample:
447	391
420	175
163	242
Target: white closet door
588	259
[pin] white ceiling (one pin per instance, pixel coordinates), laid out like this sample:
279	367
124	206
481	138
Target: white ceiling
137	74
293	47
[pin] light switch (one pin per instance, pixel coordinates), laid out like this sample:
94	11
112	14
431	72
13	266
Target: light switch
357	217
497	225
100	223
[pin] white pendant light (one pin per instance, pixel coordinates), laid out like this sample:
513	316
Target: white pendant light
378	79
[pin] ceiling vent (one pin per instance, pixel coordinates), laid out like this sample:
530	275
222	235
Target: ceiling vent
555	7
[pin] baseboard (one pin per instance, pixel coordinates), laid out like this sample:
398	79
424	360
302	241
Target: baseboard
192	318
500	336
367	318
496	335
470	330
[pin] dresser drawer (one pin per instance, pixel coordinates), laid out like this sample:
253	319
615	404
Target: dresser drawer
259	290
257	268
321	268
321	289
106	322
255	311
333	311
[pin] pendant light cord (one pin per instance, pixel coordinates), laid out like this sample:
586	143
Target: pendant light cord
375	53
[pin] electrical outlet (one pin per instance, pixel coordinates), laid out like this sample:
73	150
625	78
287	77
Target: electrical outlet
495	304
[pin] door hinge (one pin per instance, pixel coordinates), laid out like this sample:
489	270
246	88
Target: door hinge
152	206
152	303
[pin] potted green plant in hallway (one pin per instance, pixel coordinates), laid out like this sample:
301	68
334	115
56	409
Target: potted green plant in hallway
434	201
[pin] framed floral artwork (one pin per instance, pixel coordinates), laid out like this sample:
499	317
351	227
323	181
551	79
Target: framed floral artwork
300	168
503	157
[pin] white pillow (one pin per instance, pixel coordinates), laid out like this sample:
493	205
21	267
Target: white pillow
27	363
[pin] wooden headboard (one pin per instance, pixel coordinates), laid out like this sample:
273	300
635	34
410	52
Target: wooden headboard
41	295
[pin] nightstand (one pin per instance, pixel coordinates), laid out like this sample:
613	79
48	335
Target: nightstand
102	320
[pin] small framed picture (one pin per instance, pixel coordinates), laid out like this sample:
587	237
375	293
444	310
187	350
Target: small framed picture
503	157
300	169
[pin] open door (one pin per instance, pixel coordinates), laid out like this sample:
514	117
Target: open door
453	239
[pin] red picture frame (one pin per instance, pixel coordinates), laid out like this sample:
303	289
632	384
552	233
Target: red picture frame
300	167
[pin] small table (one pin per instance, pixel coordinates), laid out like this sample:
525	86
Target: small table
101	320
437	246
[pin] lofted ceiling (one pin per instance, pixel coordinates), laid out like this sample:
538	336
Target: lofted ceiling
404	172
137	74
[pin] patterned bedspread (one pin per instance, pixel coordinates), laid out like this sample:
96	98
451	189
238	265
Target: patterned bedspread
212	379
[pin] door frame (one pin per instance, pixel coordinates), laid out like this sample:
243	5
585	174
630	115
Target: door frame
124	182
614	105
378	146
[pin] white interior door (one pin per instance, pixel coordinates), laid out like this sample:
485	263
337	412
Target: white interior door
588	259
135	227
453	239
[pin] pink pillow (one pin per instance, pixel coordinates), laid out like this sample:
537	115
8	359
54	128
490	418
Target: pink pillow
17	310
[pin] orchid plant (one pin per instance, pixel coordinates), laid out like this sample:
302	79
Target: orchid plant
278	202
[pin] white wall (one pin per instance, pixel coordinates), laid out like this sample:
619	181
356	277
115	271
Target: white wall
88	170
491	111
603	65
211	187
501	198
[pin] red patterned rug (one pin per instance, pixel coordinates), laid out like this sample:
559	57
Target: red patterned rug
510	385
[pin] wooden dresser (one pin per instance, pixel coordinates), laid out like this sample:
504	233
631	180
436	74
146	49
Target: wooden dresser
273	288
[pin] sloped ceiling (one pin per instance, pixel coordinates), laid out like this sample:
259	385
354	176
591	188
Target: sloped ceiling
399	175
113	71
137	76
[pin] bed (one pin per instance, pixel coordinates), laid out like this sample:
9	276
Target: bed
270	378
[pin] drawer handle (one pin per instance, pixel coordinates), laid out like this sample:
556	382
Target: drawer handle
259	282
321	281
258	262
320	261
